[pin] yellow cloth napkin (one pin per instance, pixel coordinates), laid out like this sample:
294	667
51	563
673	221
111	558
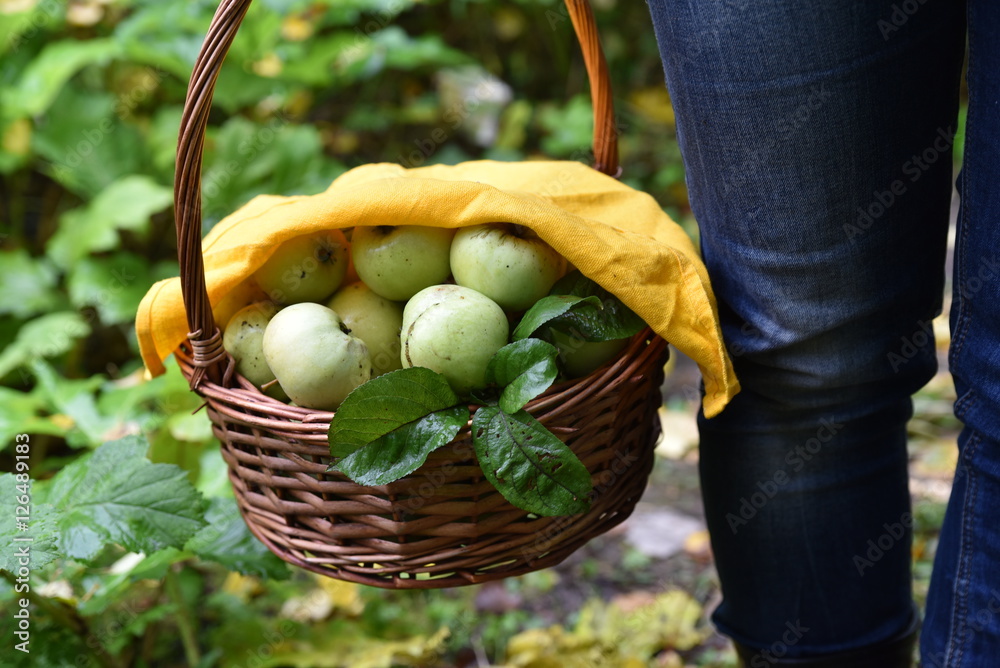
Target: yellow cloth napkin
615	235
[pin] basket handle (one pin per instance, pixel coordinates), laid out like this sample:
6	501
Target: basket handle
208	356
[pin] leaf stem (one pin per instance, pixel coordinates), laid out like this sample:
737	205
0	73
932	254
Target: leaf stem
184	622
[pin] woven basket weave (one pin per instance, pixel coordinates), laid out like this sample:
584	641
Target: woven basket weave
443	525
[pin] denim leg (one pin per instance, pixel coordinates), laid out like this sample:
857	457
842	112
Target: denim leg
963	608
817	142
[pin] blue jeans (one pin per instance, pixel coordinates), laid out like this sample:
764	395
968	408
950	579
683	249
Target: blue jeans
817	139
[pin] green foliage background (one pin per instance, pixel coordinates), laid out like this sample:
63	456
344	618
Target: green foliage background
139	556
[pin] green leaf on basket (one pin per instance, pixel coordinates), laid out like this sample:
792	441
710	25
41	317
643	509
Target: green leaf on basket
524	369
228	541
613	320
116	495
547	308
386	403
403	450
532	468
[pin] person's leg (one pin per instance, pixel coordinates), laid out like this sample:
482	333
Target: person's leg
817	143
963	609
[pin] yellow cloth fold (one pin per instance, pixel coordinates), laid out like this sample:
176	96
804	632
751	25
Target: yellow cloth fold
615	235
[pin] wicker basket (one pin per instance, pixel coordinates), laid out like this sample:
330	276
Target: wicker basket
443	525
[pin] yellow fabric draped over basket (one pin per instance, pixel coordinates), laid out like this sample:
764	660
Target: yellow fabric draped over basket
617	236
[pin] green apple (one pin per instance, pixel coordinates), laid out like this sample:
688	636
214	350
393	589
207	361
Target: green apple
397	262
508	263
373	319
244	340
455	331
314	359
580	357
308	268
420	301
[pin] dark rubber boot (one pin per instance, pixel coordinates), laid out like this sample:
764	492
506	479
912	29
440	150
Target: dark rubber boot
896	652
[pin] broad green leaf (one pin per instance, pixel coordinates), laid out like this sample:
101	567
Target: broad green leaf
239	88
136	624
113	588
39	525
52	646
192	427
569	127
276	157
127	204
19	414
361	57
74	399
115	285
590	323
524	369
547	308
84	143
314	64
48	72
22	22
29	284
403	450
145	40
46	336
226	540
213	475
116	495
149	403
532	468
386	403
161	138
165	449
342	12
405	52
